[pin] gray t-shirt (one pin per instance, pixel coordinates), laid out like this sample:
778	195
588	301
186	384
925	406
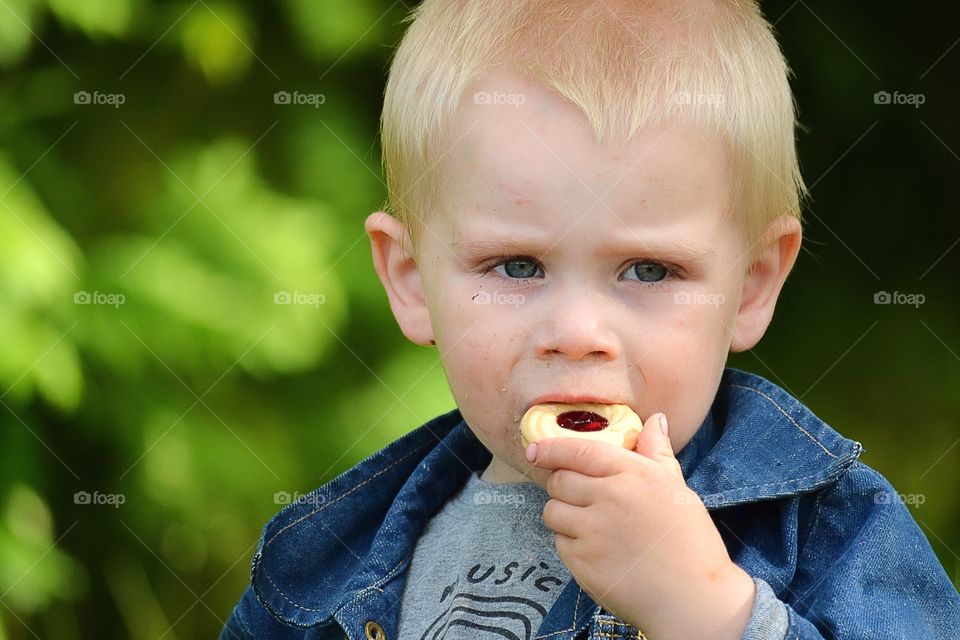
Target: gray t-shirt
485	566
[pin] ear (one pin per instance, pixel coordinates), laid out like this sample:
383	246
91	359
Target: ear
780	244
400	277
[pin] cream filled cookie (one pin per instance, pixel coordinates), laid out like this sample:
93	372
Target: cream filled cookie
613	423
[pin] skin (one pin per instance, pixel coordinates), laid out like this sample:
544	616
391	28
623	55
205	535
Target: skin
637	287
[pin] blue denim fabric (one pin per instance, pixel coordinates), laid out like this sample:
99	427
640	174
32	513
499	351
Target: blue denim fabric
794	506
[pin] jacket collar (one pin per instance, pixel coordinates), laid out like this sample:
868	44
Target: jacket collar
759	443
346	545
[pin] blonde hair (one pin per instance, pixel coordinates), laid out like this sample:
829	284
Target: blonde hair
627	64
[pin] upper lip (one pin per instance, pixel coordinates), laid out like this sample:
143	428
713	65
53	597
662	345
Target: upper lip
570	398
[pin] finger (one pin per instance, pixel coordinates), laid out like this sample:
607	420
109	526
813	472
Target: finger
589	457
565	519
565	547
654	443
571	487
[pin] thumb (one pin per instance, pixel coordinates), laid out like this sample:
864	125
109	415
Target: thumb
654	439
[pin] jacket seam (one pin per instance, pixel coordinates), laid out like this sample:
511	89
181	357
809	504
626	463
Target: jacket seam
793	493
573	624
787	415
813	528
244	627
307	516
373	587
818	505
636	634
300	520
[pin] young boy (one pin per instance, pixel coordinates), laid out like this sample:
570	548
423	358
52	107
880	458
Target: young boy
595	201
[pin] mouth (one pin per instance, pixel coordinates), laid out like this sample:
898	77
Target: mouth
558	415
579	418
566	398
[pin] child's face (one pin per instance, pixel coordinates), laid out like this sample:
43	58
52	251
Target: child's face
557	270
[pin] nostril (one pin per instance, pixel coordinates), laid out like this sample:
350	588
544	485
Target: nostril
576	337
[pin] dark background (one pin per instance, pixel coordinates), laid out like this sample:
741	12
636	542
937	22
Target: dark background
203	406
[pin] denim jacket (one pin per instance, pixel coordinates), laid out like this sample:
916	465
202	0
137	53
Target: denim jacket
794	506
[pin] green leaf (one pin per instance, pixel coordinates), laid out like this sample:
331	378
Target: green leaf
95	18
334	28
218	39
16	28
35	572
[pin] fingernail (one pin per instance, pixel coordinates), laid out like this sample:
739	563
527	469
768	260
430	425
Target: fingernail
531	452
663	424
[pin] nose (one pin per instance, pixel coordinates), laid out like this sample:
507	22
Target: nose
577	325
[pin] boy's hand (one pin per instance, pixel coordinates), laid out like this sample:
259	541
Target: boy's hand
639	541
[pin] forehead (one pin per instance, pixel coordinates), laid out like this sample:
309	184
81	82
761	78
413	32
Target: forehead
516	143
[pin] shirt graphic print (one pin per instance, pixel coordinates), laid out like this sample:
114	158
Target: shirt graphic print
485	567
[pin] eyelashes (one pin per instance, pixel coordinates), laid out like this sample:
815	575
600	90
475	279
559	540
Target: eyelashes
518	270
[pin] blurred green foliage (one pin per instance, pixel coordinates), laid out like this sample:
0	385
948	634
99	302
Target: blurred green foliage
192	331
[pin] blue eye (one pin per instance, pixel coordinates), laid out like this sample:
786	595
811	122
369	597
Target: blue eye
648	271
519	268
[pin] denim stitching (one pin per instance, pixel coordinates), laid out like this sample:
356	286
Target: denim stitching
618	634
784	412
374	586
573	625
767	484
343	495
362	592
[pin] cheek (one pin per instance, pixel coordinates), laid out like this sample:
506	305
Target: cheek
682	367
704	326
469	317
694	334
476	352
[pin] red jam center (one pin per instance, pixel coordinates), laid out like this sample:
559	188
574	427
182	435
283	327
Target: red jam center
581	421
